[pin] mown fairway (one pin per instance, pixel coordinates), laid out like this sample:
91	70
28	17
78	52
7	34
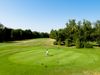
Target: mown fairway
28	58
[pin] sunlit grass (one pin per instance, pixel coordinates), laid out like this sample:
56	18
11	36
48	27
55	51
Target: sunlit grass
28	58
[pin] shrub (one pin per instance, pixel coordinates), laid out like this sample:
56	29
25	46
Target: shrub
59	42
68	42
79	44
88	45
98	43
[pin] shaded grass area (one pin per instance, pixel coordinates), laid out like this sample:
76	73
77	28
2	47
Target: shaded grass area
28	58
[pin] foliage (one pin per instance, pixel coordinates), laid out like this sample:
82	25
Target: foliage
84	30
67	42
88	45
98	42
8	34
79	44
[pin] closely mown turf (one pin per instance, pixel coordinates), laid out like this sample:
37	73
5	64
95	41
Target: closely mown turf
28	58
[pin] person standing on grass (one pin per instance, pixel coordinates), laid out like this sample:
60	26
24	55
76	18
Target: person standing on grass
47	52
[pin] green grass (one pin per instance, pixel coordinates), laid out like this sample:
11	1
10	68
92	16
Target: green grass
28	58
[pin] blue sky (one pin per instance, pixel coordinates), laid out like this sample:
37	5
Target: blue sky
44	15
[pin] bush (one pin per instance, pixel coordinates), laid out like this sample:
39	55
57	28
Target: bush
79	44
98	43
55	43
68	42
88	45
59	42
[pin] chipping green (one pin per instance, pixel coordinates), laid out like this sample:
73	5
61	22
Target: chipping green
28	57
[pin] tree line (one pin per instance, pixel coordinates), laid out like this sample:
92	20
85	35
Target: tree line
82	34
9	34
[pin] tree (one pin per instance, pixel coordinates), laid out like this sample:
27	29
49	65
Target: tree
1	32
79	34
68	43
87	28
7	34
54	34
79	43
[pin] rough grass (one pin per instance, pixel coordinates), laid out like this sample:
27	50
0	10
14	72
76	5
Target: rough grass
28	58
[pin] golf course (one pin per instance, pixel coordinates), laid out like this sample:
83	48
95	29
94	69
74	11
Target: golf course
27	57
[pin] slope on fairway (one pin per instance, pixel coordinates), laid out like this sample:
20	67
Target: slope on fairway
28	58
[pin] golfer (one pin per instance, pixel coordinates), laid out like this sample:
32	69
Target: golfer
47	52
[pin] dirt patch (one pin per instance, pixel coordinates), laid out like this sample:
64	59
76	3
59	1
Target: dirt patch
91	73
